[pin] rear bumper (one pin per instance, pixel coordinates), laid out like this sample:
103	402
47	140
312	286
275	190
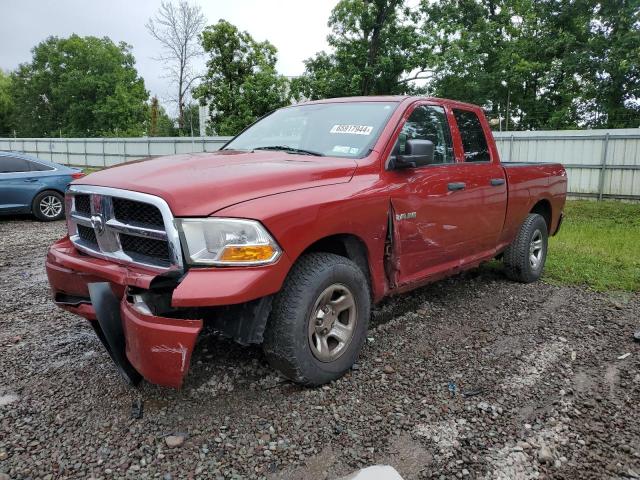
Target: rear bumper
158	347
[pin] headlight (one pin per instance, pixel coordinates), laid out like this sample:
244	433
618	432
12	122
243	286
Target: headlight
226	241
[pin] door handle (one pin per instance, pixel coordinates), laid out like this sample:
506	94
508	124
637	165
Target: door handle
457	186
31	180
496	182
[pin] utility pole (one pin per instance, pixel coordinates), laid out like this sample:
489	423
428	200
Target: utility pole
508	105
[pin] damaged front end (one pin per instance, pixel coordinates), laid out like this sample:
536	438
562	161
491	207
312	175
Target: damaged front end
148	322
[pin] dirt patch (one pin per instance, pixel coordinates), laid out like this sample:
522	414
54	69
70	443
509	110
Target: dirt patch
488	379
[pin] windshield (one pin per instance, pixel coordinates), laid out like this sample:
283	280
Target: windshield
332	129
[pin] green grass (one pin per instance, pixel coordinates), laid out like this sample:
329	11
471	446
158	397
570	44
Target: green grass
87	170
597	246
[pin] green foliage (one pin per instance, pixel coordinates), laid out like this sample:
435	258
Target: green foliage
6	104
160	125
241	83
79	86
611	65
374	44
598	246
548	64
191	121
536	64
553	64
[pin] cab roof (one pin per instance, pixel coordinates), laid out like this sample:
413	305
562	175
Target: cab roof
390	98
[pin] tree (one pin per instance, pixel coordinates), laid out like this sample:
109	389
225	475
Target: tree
79	86
241	83
6	104
177	27
375	46
160	125
515	58
612	67
191	125
538	64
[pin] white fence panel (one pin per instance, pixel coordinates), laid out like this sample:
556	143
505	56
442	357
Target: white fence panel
105	152
599	163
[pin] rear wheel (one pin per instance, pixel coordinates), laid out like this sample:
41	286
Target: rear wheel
319	319
524	259
48	206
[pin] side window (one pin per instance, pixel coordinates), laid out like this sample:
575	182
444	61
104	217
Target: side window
38	167
13	165
473	140
428	123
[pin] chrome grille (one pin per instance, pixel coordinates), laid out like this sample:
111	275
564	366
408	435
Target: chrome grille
128	211
87	234
124	226
148	247
82	204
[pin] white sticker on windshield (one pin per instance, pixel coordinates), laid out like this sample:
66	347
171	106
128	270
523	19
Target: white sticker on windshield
341	149
352	129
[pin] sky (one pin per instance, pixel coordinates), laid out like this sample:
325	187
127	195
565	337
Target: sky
298	29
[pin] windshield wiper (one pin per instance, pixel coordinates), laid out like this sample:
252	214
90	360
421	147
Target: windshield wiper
287	148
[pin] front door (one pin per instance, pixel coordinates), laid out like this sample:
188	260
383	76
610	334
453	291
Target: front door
432	212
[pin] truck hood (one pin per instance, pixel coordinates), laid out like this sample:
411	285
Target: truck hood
201	184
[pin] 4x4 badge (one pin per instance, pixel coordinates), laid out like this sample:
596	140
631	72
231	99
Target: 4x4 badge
405	216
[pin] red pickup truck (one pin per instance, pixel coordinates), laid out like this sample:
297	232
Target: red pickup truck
289	233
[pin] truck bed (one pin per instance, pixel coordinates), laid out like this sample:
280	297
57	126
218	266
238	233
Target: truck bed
527	181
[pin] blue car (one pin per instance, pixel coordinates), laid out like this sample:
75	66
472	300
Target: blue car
31	185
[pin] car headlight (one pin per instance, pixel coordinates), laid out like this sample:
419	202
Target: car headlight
226	241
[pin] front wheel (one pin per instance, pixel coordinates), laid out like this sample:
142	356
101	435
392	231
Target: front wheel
319	319
48	206
524	259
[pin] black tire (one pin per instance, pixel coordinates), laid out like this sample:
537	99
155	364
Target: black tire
518	262
44	206
288	336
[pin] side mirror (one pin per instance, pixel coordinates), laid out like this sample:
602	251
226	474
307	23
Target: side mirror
417	153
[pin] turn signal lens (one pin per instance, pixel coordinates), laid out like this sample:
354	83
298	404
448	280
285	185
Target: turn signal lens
254	253
226	241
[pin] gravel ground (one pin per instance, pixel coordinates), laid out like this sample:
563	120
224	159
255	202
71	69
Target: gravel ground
472	377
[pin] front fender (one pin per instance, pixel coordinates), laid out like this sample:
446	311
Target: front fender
299	219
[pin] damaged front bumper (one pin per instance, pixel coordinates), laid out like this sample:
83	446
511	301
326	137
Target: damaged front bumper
140	343
153	334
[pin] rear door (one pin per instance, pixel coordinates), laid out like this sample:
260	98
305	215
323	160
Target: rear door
484	179
18	184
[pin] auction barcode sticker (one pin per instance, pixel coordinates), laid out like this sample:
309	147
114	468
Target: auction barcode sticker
352	129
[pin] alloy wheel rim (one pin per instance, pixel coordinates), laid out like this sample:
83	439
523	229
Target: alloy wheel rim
51	206
536	249
332	323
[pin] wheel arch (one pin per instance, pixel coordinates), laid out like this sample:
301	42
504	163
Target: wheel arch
346	245
544	209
